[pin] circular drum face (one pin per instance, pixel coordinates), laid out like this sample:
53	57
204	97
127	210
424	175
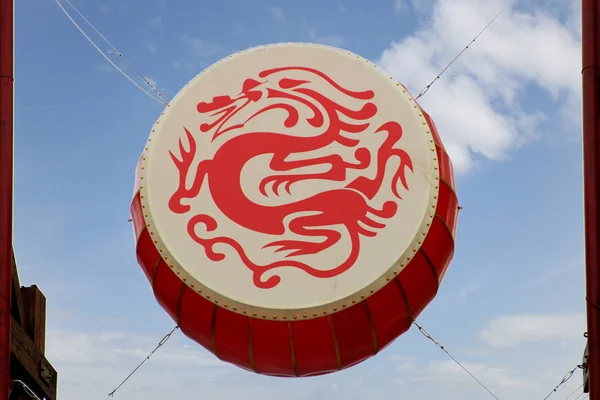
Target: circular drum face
289	181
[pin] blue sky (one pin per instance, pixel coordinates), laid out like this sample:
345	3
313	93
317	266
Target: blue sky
511	306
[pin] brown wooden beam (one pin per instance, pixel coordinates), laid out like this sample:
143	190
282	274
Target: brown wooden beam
34	318
17	299
34	364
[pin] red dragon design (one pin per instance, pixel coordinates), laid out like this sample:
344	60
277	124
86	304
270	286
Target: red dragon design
347	206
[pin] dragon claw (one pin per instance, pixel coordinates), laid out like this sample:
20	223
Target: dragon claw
277	180
400	176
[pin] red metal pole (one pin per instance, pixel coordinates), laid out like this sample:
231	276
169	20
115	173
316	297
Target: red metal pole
6	186
591	176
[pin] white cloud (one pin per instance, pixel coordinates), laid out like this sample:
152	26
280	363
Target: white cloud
117	6
100	361
476	104
514	330
448	372
156	22
331	40
201	47
106	68
152	82
277	14
151	49
238	27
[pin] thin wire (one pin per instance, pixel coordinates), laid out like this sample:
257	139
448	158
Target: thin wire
114	49
26	388
158	346
104	55
441	347
573	392
426	88
578	397
564	380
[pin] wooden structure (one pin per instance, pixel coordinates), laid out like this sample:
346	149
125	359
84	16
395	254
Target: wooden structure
28	330
22	309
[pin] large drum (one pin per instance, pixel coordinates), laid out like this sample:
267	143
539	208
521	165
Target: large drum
294	209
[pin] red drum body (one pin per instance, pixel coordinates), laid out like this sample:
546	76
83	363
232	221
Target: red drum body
294	209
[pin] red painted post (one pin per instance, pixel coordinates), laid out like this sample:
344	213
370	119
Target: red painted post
6	186
591	176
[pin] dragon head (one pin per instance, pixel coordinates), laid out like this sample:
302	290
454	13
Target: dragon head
289	92
225	107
